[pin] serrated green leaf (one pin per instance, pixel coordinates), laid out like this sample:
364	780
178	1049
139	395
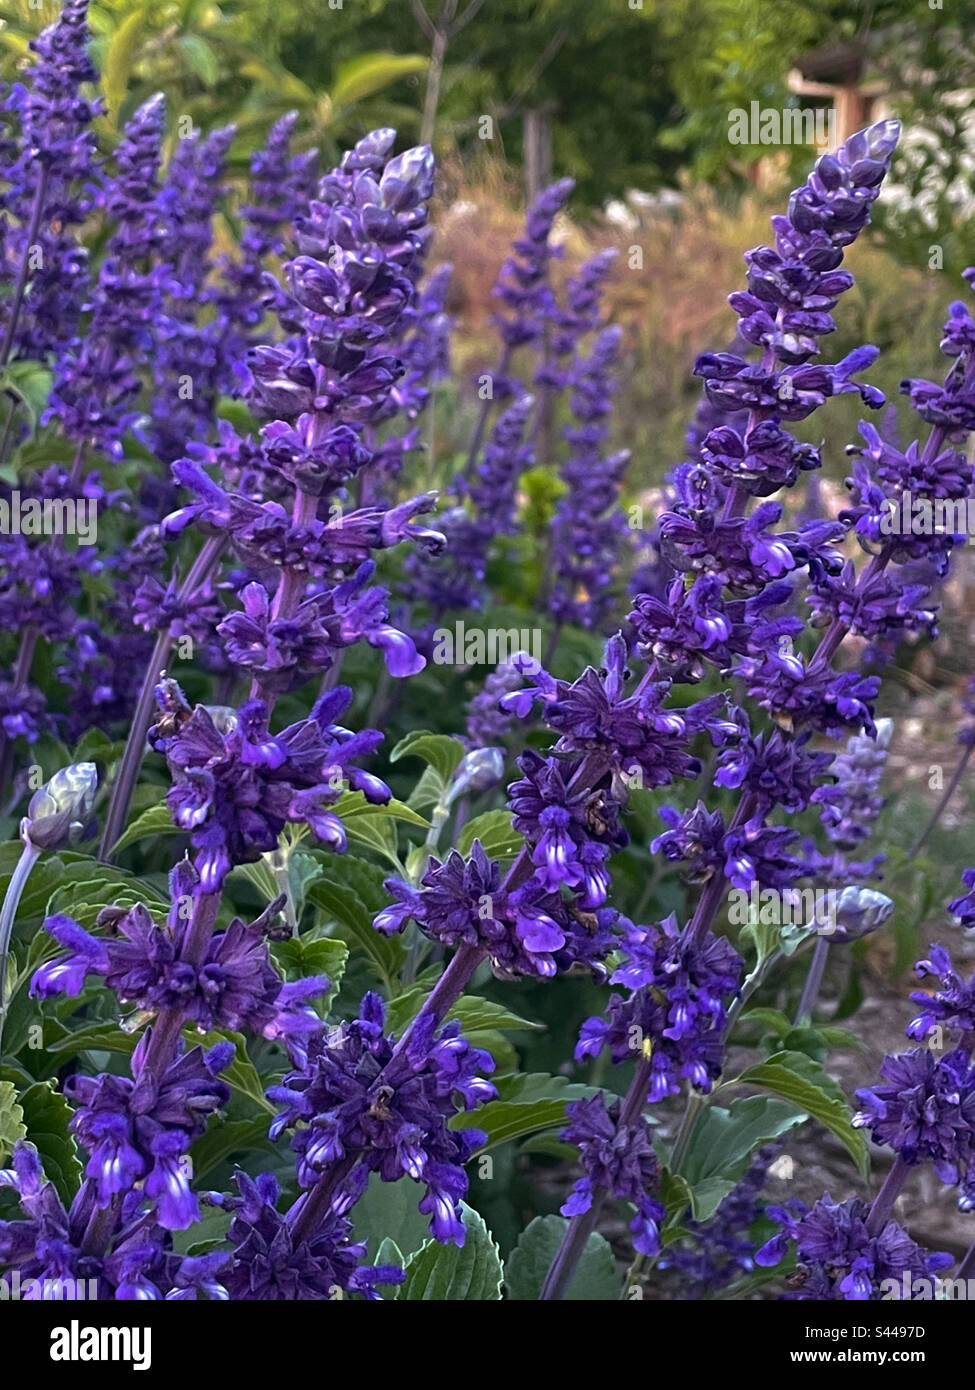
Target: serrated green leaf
390	1210
46	1116
800	1080
427	792
494	830
352	807
95	1037
445	1274
595	1279
473	1013
303	956
344	906
526	1105
12	1125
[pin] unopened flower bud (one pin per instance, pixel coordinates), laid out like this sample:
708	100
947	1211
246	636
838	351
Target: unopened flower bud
854	913
57	811
477	771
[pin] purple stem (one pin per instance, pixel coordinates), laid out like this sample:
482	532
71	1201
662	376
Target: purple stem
17	298
814	980
883	1203
127	775
477	438
580	1228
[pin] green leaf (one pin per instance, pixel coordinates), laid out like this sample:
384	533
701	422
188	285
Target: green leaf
595	1279
390	1210
494	830
427	792
370	73
445	1274
222	1138
201	58
675	1193
338	898
154	821
799	1079
723	1143
473	1013
304	956
120	59
204	1235
96	1037
46	1115
12	1125
439	750
772	1019
526	1105
241	1075
31	383
373	826
353	806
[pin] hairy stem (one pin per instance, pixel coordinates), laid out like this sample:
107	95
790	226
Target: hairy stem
8	912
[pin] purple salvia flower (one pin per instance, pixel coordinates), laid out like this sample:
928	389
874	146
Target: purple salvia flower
345	1104
841	1257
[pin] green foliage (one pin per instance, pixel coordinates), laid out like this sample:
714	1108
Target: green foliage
595	1279
46	1116
801	1080
444	1273
12	1125
723	1144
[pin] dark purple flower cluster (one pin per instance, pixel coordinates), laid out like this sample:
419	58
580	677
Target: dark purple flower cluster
676	1013
234	985
457	580
951	1005
139	1131
523	284
486	723
236	785
750	853
588	526
137	1261
189	370
842	1257
361	1100
926	1112
619	1158
523	928
97	386
850	807
269	1263
281	184
55	184
637	739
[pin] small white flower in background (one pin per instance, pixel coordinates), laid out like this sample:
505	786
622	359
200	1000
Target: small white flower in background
57	811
